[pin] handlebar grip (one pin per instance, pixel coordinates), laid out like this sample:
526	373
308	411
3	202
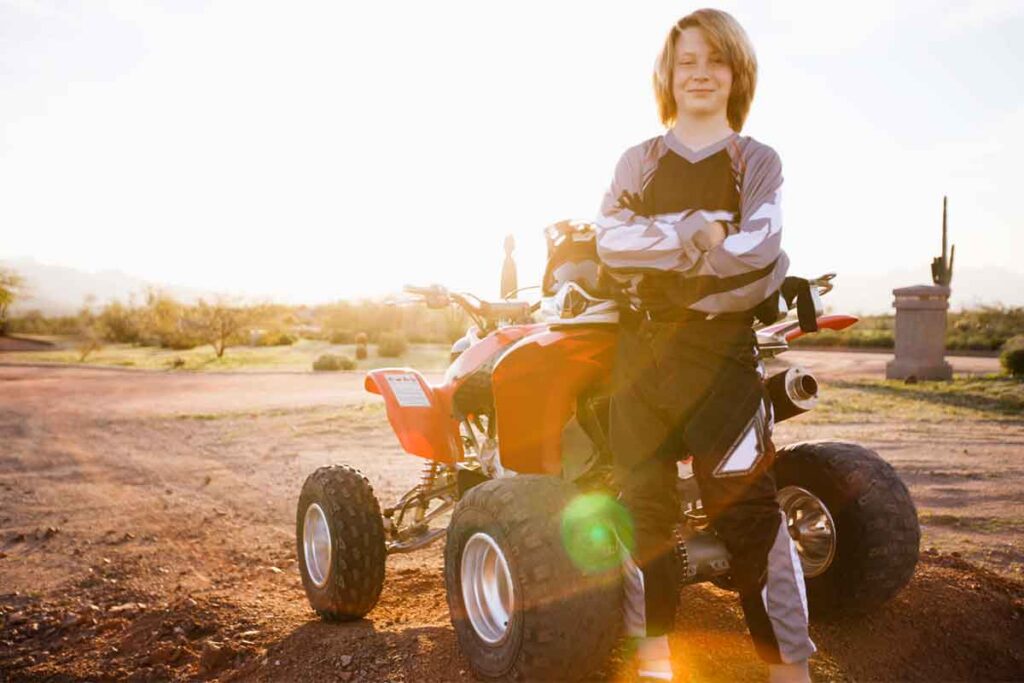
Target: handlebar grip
434	296
413	289
505	309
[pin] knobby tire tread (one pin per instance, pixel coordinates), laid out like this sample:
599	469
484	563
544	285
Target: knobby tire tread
356	575
564	637
878	531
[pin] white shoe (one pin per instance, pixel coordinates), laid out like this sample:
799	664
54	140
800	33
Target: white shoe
654	660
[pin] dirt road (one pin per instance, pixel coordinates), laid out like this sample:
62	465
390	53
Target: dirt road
829	364
147	532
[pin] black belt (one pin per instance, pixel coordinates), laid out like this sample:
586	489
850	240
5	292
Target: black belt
679	315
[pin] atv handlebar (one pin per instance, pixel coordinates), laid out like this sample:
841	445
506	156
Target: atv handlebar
481	311
487	313
434	296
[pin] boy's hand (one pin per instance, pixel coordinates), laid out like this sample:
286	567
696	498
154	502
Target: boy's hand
709	236
632	201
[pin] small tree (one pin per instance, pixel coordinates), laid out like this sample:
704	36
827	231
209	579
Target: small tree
90	333
11	285
220	324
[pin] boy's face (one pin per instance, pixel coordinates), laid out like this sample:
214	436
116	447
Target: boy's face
701	78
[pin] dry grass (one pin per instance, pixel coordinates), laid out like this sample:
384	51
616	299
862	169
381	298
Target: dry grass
297	357
989	397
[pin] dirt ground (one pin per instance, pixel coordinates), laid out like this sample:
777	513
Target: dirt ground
147	532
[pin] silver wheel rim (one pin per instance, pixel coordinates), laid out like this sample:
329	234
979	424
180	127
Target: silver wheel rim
487	589
811	527
316	544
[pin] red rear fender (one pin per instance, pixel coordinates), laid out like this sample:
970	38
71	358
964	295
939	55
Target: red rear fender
420	414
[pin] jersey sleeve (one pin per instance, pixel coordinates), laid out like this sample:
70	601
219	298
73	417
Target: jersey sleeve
755	240
628	238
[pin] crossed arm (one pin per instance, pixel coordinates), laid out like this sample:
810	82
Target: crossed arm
697	242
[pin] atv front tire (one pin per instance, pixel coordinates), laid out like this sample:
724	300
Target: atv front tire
521	608
875	534
340	543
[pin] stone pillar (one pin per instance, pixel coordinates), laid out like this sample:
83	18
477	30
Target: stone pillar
920	333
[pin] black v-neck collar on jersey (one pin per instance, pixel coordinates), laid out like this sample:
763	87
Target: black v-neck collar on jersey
693	156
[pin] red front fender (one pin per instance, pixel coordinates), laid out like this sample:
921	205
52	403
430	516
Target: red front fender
420	414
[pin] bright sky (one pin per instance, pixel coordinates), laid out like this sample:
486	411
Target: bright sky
311	151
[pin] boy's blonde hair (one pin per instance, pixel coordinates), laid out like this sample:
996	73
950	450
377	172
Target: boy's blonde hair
725	35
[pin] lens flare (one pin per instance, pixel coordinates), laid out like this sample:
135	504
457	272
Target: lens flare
595	528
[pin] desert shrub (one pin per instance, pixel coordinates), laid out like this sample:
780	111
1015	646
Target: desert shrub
160	323
179	341
34	322
276	338
876	339
333	362
985	327
1013	361
340	337
1012	357
869	338
391	344
121	324
285	339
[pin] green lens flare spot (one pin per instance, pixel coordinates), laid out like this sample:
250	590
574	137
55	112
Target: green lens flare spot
596	531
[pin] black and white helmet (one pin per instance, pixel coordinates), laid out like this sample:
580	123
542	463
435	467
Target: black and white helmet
574	290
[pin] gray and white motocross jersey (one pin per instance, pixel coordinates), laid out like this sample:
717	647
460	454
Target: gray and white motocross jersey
662	193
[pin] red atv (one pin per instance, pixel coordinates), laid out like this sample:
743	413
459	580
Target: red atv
514	438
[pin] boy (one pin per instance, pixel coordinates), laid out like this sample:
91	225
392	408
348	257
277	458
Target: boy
690	229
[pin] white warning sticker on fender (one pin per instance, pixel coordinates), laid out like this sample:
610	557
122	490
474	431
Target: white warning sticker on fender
407	390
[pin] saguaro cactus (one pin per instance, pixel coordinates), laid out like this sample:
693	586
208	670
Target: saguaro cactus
942	268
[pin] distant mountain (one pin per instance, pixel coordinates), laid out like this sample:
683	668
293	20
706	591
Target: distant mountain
60	290
972	287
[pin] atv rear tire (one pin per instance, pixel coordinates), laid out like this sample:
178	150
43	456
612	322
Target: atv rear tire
876	532
525	611
340	543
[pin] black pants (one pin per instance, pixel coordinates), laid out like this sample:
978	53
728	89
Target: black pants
693	388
